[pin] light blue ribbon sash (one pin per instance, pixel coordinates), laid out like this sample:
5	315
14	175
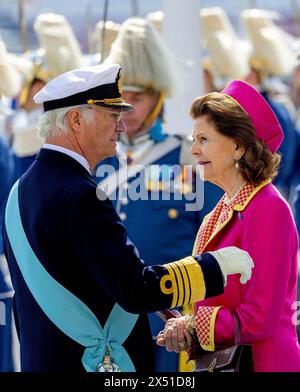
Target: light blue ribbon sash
62	307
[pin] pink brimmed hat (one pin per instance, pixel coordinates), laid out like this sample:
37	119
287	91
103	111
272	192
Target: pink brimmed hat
266	125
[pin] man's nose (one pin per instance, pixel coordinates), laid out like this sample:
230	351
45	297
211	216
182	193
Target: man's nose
121	126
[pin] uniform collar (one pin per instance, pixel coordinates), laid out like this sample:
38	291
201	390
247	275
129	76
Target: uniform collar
79	158
61	159
140	138
155	133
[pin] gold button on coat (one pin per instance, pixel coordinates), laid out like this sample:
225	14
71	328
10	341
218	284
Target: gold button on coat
173	214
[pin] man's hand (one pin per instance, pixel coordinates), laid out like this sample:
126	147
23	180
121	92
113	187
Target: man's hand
233	260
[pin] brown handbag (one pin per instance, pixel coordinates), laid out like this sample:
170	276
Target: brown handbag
236	358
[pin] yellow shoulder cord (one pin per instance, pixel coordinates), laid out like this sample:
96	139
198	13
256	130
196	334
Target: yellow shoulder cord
152	116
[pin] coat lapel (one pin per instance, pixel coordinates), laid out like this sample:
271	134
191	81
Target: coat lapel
222	214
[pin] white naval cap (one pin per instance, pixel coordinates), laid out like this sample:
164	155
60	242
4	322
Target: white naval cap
95	85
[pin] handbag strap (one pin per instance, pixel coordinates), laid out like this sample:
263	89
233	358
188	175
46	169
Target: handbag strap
237	329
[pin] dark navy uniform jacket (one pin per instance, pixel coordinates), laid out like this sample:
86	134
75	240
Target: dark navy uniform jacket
84	246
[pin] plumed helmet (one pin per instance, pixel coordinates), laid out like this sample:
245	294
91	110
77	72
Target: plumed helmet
10	78
222	45
110	35
146	62
272	47
61	48
156	18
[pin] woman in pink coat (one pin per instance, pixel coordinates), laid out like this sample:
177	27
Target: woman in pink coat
236	136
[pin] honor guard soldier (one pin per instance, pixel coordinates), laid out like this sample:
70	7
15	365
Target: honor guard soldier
80	287
26	143
10	85
271	61
158	223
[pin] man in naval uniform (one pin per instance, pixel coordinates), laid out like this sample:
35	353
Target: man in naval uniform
148	76
80	287
26	143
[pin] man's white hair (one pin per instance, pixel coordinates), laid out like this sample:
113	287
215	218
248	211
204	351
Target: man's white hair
55	122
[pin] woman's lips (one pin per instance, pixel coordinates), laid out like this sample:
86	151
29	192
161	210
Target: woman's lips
202	163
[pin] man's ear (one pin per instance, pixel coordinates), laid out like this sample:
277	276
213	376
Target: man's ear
75	120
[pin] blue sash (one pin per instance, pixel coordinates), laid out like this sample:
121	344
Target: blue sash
63	308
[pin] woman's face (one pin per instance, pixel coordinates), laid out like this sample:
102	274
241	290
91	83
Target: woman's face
213	151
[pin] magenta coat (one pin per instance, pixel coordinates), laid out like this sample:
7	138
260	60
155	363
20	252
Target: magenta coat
266	304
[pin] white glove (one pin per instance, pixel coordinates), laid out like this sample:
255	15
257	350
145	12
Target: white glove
233	260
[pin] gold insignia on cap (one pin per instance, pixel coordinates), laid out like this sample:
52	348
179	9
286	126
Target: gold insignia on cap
186	279
107	101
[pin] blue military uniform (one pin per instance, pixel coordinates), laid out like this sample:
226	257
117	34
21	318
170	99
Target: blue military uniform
161	229
25	143
7	360
81	243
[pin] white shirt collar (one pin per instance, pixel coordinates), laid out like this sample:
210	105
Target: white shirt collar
79	158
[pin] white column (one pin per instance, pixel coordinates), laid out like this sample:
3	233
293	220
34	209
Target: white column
182	33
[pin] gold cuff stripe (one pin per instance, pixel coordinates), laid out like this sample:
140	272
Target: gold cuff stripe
181	289
171	290
196	278
187	282
176	295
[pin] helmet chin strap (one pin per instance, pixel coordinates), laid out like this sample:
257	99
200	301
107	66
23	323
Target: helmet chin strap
152	116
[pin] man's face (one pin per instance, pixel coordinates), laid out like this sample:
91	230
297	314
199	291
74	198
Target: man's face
143	104
99	137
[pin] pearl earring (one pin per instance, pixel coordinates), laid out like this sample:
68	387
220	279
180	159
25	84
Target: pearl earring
237	166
